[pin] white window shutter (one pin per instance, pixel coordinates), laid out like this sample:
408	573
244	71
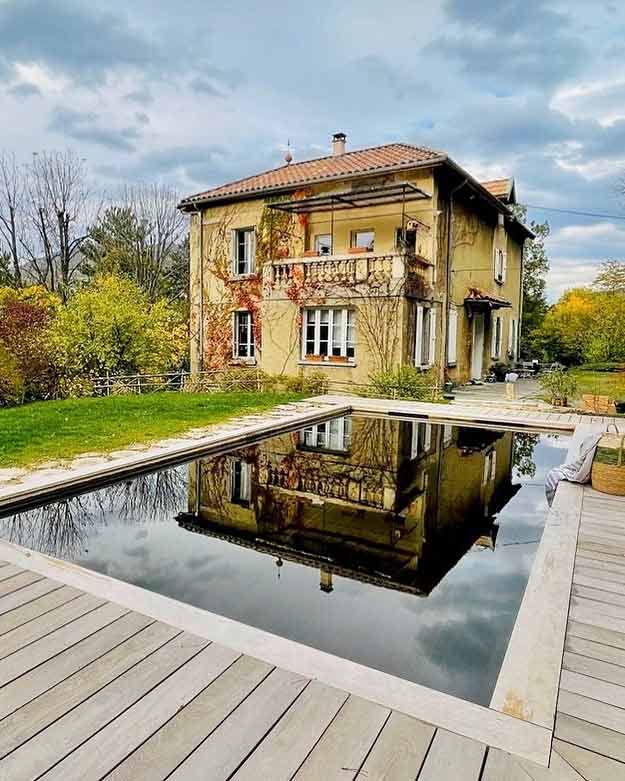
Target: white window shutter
495	264
432	355
233	251
418	336
253	251
493	337
493	465
486	469
427	438
505	265
452	336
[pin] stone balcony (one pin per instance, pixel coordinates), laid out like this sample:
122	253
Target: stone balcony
337	275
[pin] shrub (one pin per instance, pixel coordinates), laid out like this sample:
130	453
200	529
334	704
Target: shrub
314	383
560	385
25	319
403	382
11	381
112	326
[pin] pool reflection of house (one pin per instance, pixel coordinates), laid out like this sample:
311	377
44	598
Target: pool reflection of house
394	503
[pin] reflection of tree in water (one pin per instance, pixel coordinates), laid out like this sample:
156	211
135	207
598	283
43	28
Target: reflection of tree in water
61	528
523	454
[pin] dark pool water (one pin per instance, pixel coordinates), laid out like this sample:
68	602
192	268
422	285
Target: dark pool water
400	545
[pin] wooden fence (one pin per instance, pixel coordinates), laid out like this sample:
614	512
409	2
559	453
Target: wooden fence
245	379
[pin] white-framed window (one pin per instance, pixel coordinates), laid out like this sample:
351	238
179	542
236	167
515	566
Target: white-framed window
323	244
243	328
328	332
490	467
512	339
243	251
421	440
240	481
452	336
335	435
495	336
425	336
501	263
364	238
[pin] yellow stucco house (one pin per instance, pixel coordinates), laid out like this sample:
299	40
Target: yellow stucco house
356	262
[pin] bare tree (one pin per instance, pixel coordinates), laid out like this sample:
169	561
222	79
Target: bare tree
11	212
142	234
61	207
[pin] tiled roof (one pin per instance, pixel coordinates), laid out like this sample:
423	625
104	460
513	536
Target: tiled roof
361	161
477	295
500	188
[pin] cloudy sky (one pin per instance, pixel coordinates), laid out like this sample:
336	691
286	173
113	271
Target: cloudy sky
197	94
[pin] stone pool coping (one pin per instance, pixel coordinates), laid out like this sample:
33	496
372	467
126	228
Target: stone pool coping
520	718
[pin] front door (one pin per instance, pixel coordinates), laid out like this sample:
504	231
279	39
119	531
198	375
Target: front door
477	350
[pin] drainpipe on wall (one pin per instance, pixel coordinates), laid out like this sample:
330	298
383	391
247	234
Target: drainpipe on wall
446	298
198	214
520	315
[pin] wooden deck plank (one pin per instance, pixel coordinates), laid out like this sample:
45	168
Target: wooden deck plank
46	624
452	758
595	668
593	767
593	542
288	744
500	765
600	575
598	595
399	751
593	650
558	770
51	745
28	594
34	654
9	571
176	740
227	746
42	696
604	608
595	711
602	560
101	753
17	582
588	615
34	604
597	634
593	547
590	736
343	747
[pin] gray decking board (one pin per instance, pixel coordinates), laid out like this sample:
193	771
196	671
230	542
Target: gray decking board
453	758
32	601
399	751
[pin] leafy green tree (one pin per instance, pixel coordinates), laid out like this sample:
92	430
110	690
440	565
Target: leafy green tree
535	270
112	326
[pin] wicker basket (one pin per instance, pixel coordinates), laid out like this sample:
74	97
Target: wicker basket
608	467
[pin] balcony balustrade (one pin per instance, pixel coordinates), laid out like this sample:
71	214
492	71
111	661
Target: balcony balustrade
386	273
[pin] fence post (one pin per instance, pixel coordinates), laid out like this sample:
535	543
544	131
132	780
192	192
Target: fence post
108	383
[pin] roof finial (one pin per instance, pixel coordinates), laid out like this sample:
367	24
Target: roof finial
288	156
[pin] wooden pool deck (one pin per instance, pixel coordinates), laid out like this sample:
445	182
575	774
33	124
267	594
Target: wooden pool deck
90	689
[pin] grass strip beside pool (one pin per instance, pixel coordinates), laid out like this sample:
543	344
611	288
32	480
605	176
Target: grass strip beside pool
59	430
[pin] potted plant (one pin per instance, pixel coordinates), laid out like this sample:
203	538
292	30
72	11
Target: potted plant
560	386
338	359
500	370
358	250
311	253
313	358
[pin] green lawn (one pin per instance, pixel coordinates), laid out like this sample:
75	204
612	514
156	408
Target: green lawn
57	430
610	384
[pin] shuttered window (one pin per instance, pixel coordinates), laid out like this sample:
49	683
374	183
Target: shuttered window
452	336
425	336
496	336
243	251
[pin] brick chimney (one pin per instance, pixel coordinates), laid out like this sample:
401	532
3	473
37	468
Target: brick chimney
338	144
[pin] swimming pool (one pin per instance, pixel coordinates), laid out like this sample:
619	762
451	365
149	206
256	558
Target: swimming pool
399	544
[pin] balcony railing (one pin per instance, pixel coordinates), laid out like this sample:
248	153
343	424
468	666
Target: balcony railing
331	272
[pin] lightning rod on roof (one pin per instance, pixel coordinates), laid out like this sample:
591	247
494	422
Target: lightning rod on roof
288	156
